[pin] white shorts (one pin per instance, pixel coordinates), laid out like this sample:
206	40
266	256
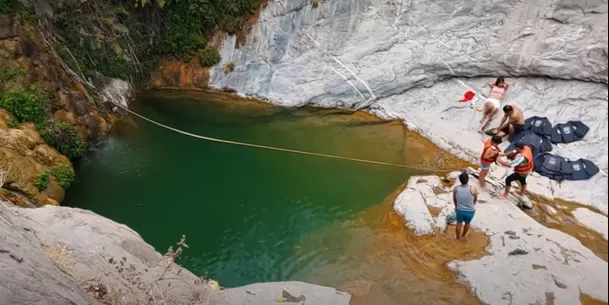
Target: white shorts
496	103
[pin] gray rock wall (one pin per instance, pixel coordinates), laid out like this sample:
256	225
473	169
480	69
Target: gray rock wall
413	59
391	46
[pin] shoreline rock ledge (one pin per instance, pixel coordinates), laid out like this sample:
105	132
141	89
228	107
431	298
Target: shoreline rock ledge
58	255
526	262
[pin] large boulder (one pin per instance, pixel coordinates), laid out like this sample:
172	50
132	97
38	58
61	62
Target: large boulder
71	256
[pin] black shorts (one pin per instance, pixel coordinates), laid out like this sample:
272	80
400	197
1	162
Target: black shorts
517	128
516	177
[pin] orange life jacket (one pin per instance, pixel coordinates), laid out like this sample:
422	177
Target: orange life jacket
527	168
488	145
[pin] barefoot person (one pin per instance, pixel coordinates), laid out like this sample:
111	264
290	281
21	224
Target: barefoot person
489	155
523	166
464	198
493	102
512	122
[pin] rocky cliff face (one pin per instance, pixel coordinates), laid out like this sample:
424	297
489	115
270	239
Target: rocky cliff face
413	60
26	61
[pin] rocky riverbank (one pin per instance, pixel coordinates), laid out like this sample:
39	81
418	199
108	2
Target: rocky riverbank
526	262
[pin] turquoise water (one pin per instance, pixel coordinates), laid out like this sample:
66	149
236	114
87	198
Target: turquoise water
243	210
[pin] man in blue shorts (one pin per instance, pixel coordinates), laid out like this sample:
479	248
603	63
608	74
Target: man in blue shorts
464	198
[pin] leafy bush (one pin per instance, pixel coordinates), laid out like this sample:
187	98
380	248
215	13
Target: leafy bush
64	137
31	106
64	174
26	105
6	75
6	6
42	181
12	124
123	38
315	4
209	56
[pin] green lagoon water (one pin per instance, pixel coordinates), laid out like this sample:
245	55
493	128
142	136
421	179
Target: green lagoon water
245	211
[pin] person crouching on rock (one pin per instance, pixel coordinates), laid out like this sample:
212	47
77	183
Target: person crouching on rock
523	165
465	198
512	122
493	102
489	155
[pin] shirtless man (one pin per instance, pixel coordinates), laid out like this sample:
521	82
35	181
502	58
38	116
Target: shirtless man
512	122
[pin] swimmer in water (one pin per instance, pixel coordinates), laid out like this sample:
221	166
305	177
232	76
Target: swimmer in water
493	102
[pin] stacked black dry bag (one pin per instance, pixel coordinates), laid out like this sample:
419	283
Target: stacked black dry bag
539	134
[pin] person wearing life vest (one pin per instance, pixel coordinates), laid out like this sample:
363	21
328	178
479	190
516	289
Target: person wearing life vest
523	166
489	155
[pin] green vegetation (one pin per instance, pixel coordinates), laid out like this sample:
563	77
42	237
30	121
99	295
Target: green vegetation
42	181
27	105
64	174
209	56
6	6
315	4
6	75
13	124
120	38
64	137
31	105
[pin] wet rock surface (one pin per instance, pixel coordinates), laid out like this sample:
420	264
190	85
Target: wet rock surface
510	273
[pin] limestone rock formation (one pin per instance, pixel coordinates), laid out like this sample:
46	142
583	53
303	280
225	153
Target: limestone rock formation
551	264
288	292
413	60
71	256
24	156
25	61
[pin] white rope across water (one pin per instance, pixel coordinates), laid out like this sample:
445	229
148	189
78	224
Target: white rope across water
278	148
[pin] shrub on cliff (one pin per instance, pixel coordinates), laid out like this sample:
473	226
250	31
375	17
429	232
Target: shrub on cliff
64	174
5	6
123	38
209	56
64	137
42	181
27	105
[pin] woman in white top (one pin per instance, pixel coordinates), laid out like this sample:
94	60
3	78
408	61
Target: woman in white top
493	102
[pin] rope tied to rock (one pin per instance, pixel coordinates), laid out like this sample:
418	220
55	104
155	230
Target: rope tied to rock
278	148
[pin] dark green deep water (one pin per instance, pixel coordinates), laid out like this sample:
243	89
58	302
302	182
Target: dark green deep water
245	211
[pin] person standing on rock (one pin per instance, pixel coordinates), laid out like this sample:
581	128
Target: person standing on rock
489	155
512	122
465	198
493	102
523	166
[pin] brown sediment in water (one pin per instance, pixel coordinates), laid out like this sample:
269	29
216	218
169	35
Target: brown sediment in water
402	145
564	221
393	266
587	300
